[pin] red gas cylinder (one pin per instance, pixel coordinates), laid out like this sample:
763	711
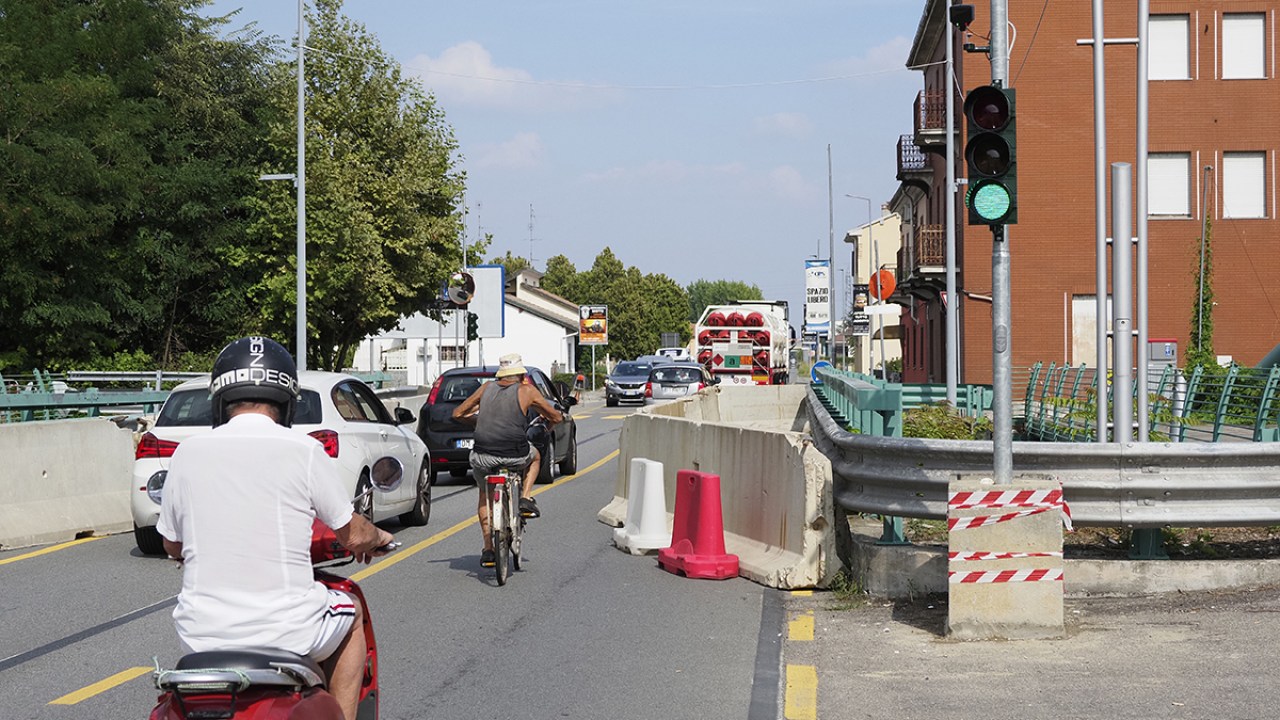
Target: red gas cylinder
715	318
761	358
755	319
704	357
704	337
734	320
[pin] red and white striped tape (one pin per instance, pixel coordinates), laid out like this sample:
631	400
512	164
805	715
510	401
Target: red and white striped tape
1003	576
1004	498
963	556
1037	501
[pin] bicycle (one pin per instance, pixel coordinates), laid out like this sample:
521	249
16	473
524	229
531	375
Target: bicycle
506	524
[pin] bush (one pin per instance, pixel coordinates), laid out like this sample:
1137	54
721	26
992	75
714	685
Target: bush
941	421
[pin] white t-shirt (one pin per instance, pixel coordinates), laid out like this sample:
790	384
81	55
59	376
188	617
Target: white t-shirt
241	500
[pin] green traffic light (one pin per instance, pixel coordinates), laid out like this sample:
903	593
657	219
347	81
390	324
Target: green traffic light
991	201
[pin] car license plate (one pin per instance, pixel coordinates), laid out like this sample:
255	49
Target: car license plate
464	443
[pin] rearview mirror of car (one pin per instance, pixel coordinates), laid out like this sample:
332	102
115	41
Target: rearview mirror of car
404	416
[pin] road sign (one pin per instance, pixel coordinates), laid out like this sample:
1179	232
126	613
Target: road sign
883	283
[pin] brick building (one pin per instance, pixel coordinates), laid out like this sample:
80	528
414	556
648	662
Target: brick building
1214	99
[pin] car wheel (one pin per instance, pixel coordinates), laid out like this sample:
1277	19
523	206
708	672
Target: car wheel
421	511
611	402
547	471
149	540
363	502
569	465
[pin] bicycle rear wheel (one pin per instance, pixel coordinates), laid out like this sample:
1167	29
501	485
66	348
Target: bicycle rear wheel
515	524
502	556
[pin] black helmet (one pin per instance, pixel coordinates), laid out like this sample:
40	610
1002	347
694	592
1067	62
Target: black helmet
254	368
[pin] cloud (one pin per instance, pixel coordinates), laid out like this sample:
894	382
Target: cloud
466	75
788	183
785	124
887	57
523	151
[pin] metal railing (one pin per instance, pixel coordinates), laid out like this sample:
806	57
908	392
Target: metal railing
871	406
1206	405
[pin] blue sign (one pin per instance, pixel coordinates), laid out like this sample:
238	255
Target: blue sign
813	373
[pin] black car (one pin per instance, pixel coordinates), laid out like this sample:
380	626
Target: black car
450	441
627	382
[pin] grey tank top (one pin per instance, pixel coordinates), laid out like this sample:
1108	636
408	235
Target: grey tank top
501	426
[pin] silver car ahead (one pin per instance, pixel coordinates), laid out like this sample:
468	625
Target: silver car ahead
677	380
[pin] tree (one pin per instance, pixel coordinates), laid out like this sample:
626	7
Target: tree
383	195
129	141
512	264
641	307
718	292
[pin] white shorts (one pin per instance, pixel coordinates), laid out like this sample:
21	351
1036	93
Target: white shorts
334	625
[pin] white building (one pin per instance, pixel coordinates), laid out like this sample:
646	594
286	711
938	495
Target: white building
541	326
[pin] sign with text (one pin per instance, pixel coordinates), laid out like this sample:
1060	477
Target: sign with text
817	296
593	325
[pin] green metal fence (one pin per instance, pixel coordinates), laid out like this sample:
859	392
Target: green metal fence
1204	405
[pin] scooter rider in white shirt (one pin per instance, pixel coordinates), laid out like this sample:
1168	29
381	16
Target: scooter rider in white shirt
237	510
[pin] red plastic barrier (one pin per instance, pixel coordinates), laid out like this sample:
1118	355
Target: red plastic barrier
697	533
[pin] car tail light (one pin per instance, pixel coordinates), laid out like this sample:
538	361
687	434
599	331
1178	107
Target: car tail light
435	391
648	389
701	385
327	438
151	446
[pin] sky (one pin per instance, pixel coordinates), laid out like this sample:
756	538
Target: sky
690	137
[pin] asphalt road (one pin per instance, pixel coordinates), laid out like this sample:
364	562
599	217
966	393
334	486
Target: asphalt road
585	631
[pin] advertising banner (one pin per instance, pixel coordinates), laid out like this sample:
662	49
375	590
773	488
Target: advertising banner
817	296
593	325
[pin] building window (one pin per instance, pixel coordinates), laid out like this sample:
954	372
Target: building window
1243	46
1244	189
1169	184
1170	56
453	353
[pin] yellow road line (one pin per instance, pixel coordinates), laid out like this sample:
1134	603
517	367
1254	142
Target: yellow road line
85	693
801	628
615	417
399	555
51	548
801	593
802	693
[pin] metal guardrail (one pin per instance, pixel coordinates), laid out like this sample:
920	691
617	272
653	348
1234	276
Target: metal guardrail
1136	485
872	406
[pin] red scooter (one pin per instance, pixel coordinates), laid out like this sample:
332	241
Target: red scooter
271	684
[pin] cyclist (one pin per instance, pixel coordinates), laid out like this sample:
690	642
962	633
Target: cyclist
500	411
237	511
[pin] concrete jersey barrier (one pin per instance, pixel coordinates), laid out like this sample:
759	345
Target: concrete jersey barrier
64	479
775	485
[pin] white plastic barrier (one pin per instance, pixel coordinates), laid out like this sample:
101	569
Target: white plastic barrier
646	527
775	486
63	479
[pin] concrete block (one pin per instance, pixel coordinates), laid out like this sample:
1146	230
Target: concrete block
1005	566
63	479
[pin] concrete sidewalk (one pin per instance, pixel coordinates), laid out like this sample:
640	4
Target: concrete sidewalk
1176	655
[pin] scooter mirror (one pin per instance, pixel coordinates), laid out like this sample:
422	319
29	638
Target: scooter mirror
387	474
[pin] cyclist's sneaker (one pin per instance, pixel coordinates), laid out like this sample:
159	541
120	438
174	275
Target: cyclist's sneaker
487	558
529	508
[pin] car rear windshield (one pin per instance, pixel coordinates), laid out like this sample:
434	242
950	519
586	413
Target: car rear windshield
631	368
456	388
191	408
676	375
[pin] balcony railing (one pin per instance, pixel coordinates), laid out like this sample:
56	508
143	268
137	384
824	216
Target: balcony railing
911	159
931	112
931	246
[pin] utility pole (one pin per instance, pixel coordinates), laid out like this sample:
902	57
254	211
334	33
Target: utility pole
1001	297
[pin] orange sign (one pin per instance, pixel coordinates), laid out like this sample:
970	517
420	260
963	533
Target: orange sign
883	283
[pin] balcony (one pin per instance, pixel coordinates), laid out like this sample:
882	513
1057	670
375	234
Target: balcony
913	165
930	248
931	121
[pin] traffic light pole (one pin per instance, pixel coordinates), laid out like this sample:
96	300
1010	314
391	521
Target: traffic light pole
1001	303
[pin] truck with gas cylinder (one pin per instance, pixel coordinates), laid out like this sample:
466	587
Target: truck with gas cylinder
745	342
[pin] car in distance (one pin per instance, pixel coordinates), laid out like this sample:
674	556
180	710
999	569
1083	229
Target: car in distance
677	380
341	412
626	383
450	441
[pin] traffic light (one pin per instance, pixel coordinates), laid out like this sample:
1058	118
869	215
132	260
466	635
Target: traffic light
991	156
473	327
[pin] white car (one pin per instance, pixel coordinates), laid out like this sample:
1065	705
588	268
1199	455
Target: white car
338	410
